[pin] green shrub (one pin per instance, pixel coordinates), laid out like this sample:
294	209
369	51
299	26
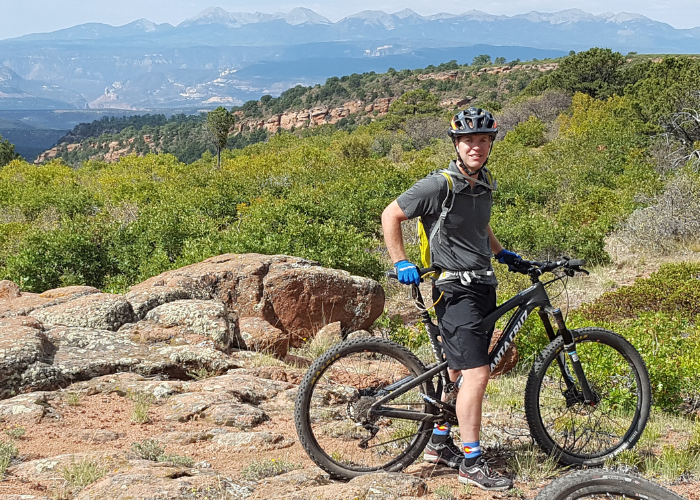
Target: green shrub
529	134
356	147
176	460
674	289
319	197
16	432
74	253
670	347
394	329
148	449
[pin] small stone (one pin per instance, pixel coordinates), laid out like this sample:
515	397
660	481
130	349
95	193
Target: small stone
9	290
261	336
253	440
357	334
242	416
98	436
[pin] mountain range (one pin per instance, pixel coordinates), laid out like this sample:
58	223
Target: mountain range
224	58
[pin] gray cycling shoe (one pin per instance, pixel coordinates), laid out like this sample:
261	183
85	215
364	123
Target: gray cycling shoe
446	453
481	475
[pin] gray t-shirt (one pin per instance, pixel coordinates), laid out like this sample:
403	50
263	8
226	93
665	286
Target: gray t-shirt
463	241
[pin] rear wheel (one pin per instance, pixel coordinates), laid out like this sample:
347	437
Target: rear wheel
582	433
332	411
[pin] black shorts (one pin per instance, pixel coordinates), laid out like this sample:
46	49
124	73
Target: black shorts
459	312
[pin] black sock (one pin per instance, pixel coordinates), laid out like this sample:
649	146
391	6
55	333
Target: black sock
438	439
468	462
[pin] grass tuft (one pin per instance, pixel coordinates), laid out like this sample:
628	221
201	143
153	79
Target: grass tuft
79	474
673	464
268	467
202	374
142	403
532	465
626	461
72	398
444	492
8	451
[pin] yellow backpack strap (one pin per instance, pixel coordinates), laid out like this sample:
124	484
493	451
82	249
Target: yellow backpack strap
493	183
426	239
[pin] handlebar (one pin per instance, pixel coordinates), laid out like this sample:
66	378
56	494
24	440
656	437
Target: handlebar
531	267
535	268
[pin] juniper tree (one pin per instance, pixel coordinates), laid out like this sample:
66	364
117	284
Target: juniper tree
219	122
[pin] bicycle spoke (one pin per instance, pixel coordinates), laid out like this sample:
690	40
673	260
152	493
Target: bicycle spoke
345	431
580	428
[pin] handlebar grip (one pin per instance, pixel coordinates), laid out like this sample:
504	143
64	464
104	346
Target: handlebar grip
576	263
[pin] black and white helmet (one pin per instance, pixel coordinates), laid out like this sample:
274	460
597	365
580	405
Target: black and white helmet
473	121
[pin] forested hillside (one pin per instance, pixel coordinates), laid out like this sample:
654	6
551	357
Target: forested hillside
344	102
599	146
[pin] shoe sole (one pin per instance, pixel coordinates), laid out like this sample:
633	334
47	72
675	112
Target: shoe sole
432	459
466	480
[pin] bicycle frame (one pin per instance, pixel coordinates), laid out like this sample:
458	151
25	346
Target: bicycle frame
524	303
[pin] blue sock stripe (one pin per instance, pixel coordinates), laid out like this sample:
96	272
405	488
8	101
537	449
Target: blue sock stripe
442	429
471	450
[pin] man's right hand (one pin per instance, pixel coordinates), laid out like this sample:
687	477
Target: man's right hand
407	272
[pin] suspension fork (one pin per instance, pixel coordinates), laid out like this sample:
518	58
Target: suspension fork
570	350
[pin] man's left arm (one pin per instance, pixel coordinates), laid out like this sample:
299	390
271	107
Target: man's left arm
501	254
496	246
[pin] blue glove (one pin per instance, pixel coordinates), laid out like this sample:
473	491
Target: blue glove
508	257
407	272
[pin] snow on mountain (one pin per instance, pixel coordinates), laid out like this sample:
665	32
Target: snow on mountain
624	17
143	25
478	15
217	15
300	15
408	14
562	17
440	16
373	18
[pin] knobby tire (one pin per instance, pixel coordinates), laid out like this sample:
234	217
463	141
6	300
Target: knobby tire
336	390
582	434
598	483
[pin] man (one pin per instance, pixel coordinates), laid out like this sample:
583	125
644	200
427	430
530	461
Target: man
456	214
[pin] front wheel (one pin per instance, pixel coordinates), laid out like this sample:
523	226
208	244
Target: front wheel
596	484
578	432
333	410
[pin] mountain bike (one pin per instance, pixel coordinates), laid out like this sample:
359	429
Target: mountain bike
369	404
597	483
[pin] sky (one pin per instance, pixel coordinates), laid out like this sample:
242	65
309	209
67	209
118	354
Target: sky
20	17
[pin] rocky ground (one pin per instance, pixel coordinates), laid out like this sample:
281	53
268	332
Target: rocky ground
85	375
